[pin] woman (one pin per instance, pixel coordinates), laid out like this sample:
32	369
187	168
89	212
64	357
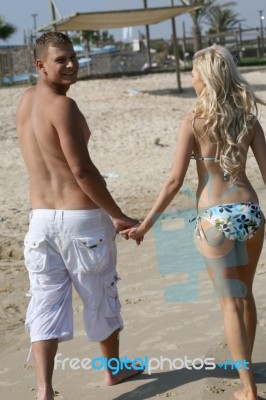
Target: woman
230	228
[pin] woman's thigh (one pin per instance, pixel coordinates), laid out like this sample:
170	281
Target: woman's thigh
231	264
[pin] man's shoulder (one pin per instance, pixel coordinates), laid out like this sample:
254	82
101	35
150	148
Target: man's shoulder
63	110
29	91
28	94
25	101
52	98
65	102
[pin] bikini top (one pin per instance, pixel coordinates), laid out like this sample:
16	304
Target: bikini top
199	158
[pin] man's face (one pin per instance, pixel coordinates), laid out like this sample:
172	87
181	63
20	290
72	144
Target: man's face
60	65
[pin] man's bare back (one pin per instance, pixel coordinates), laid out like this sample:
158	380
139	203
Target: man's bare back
53	135
52	182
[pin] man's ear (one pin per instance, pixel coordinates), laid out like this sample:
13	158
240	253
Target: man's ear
39	65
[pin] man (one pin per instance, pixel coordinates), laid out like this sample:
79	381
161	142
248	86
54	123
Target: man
71	236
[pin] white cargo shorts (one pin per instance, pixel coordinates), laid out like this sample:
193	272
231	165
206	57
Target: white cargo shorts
64	247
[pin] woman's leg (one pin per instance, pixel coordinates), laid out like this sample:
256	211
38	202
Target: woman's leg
233	283
254	247
238	343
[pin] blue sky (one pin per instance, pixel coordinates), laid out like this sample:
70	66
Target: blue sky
19	13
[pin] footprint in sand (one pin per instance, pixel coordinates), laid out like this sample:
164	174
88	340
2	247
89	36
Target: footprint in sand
215	389
132	301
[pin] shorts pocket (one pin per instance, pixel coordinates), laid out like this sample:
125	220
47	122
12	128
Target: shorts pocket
113	305
35	253
92	252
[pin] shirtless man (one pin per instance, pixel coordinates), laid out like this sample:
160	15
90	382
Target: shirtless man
71	236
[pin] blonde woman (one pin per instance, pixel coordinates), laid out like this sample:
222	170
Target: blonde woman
230	225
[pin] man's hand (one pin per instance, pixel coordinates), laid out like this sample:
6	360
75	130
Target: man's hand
123	225
124	222
136	232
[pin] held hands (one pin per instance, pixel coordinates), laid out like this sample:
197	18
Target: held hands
135	233
123	222
125	225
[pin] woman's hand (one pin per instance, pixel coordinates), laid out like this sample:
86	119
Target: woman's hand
135	233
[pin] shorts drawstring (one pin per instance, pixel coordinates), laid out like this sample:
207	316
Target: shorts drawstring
29	354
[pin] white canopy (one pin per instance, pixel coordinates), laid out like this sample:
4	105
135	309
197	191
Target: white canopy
116	19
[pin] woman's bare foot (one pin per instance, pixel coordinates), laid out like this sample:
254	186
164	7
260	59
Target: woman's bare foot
245	395
43	394
122	375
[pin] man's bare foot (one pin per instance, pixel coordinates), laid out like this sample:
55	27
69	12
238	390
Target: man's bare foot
243	395
122	375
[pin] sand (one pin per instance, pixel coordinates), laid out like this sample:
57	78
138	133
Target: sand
134	123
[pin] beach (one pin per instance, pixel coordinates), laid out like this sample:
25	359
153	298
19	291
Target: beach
169	314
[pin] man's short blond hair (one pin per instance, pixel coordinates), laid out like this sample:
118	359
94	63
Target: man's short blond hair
54	39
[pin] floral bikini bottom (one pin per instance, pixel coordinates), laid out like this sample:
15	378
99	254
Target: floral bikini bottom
237	221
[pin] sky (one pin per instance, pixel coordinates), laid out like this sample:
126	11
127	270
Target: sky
19	13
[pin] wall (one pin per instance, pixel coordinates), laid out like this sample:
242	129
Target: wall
111	63
20	60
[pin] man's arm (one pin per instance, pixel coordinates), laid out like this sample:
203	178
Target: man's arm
66	117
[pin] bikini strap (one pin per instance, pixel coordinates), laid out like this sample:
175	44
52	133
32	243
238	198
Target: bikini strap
199	158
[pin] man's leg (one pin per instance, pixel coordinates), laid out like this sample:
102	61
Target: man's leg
44	353
110	349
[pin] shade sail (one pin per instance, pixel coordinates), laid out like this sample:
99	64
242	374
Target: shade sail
116	19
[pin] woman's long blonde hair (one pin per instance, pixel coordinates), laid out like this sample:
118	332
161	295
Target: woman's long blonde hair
228	104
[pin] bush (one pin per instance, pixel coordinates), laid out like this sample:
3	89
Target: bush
252	61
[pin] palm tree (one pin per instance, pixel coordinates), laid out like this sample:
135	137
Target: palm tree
221	18
106	37
6	29
197	16
95	37
91	36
